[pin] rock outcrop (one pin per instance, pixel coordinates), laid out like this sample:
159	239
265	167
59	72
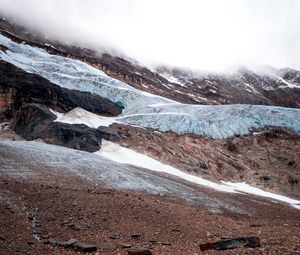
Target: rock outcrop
36	122
18	88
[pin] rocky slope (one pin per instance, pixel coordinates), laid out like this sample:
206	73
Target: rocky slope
265	160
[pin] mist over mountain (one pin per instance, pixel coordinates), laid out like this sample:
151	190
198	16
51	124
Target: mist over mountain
202	35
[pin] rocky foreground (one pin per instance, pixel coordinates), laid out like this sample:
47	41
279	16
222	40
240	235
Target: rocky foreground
38	218
56	201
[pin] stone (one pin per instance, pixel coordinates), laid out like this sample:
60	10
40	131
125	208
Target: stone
71	241
84	247
140	251
126	246
227	244
73	244
135	235
114	237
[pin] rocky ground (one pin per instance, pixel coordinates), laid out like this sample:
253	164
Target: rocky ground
37	217
57	201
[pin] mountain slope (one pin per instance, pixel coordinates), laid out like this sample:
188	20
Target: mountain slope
147	110
266	86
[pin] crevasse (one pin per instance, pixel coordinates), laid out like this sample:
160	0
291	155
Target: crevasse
144	109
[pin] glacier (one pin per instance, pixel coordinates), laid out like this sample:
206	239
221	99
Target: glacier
144	109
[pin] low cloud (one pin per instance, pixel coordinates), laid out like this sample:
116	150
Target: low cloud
205	35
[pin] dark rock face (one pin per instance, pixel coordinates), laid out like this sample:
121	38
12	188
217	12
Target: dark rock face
108	135
36	121
18	88
25	99
251	242
32	120
78	136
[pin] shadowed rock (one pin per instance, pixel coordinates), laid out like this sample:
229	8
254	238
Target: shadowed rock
234	243
139	251
36	122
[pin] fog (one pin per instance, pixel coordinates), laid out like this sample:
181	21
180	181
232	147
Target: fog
205	35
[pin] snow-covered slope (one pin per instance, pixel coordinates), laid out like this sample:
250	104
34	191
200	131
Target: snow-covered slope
144	109
43	162
120	154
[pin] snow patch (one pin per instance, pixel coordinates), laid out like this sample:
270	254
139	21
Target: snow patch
124	155
246	188
287	84
81	116
252	89
172	79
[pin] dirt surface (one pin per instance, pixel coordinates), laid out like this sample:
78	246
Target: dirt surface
108	218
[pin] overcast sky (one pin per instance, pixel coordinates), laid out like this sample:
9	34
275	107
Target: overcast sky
205	35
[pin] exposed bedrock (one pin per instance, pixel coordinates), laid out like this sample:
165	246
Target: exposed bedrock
18	88
35	121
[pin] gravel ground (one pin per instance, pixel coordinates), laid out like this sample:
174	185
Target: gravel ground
43	203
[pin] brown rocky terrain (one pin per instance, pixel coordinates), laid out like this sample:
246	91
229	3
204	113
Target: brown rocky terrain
35	214
46	203
269	160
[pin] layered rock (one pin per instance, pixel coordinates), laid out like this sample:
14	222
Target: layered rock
18	88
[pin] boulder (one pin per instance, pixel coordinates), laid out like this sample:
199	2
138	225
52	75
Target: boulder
227	244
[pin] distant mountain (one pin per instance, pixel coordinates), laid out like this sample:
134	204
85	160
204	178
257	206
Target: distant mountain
267	86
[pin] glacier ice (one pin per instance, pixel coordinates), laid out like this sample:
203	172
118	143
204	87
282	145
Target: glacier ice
144	109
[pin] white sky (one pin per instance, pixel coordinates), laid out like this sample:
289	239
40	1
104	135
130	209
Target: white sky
205	35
